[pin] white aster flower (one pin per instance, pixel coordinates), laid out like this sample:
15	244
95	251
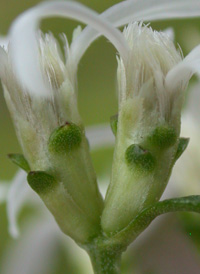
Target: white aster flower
155	90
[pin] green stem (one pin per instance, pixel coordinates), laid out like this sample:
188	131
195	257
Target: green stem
105	260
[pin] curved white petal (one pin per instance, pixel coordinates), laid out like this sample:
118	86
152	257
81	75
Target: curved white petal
3	61
35	252
182	72
17	194
76	255
185	178
136	10
23	38
4	187
100	136
192	106
4	41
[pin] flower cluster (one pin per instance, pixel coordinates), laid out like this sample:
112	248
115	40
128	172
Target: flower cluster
41	93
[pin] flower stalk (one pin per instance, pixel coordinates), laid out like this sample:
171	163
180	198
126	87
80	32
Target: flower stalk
105	260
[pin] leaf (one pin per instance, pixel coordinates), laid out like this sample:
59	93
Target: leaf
143	220
20	161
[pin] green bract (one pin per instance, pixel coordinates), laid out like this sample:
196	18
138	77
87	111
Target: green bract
20	161
65	139
113	123
163	137
41	182
140	158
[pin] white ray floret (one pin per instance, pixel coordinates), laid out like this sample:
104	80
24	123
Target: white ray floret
100	136
17	195
136	10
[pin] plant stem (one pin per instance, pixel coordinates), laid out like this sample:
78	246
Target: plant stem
105	260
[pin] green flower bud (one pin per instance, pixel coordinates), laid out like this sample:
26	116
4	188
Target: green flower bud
65	138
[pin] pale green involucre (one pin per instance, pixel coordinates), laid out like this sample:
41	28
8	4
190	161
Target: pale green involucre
148	127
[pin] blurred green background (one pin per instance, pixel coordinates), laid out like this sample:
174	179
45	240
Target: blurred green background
97	100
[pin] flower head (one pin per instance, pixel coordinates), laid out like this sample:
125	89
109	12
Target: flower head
152	56
35	118
151	78
148	125
47	121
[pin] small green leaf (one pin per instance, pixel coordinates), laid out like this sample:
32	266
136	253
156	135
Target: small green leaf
143	220
182	145
113	123
65	138
41	182
20	161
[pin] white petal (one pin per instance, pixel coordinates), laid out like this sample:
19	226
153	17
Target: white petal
170	33
23	40
3	191
136	10
3	61
35	252
182	72
185	176
77	255
4	41
17	194
192	105
100	136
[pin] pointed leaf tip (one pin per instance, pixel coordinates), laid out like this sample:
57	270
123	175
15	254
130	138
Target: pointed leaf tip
20	161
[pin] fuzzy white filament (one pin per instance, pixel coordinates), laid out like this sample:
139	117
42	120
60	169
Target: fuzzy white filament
24	46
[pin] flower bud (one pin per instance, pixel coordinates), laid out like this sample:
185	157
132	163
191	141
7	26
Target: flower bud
70	218
148	127
53	148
